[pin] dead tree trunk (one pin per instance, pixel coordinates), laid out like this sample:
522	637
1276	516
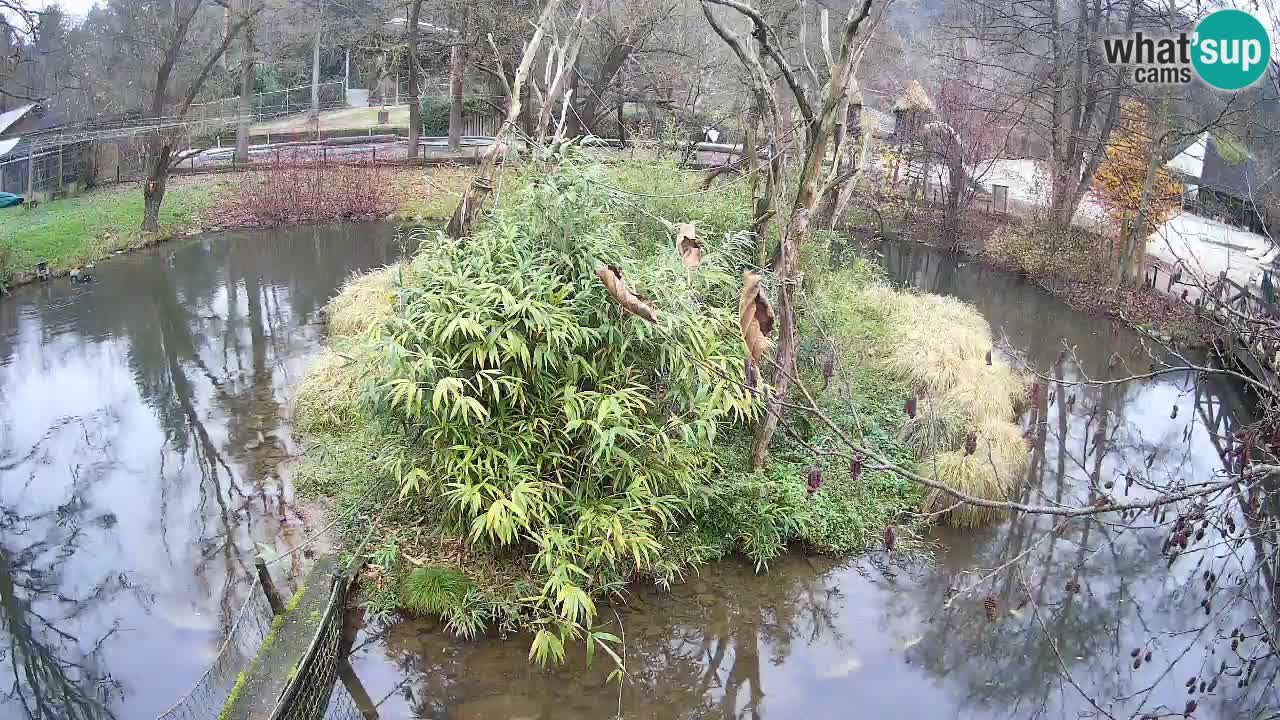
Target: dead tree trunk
820	124
482	184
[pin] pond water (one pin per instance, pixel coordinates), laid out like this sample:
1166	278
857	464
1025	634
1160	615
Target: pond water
141	428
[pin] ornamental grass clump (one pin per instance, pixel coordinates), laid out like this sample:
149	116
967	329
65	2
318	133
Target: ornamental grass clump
536	417
963	421
937	426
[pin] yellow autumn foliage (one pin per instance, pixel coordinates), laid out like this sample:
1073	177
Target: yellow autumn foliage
1123	172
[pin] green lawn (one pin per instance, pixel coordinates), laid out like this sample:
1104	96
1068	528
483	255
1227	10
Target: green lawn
73	231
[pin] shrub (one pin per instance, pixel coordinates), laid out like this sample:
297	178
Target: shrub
1040	250
435	113
529	412
302	192
435	116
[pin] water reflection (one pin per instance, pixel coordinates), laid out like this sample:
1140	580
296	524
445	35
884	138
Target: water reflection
1069	601
141	426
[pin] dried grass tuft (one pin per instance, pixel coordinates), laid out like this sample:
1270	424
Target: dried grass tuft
972	475
365	301
328	395
987	393
937	426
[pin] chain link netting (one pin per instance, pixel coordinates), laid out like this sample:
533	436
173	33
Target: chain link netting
342	706
306	697
205	700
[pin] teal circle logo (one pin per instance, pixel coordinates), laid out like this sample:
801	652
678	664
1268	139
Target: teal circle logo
1231	49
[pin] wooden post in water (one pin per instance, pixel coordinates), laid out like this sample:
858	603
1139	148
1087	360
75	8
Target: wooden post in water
269	586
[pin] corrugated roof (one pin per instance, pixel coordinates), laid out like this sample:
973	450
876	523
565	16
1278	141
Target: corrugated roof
7	145
12	116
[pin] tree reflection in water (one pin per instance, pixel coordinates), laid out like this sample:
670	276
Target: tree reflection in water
814	641
141	430
54	665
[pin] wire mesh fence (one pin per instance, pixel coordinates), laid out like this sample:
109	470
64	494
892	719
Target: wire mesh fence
273	104
307	695
206	699
342	705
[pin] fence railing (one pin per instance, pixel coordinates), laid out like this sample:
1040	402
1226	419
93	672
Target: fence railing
272	104
207	698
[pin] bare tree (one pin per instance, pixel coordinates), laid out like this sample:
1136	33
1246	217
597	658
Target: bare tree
1042	57
415	102
482	185
818	114
173	22
248	81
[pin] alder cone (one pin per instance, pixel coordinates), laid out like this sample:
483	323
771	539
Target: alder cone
989	605
815	479
855	466
611	276
755	316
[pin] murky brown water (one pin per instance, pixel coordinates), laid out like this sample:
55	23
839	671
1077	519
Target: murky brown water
140	430
134	484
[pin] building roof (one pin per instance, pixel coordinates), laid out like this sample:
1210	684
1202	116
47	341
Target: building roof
881	124
1227	172
1189	162
13	116
7	145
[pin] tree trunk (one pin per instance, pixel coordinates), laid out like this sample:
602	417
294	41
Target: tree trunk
248	79
415	105
1133	233
788	337
457	64
315	61
154	186
482	184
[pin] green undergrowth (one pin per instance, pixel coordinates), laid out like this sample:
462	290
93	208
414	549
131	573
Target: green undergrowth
526	448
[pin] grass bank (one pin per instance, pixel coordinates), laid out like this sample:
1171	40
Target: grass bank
71	232
526	448
74	231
